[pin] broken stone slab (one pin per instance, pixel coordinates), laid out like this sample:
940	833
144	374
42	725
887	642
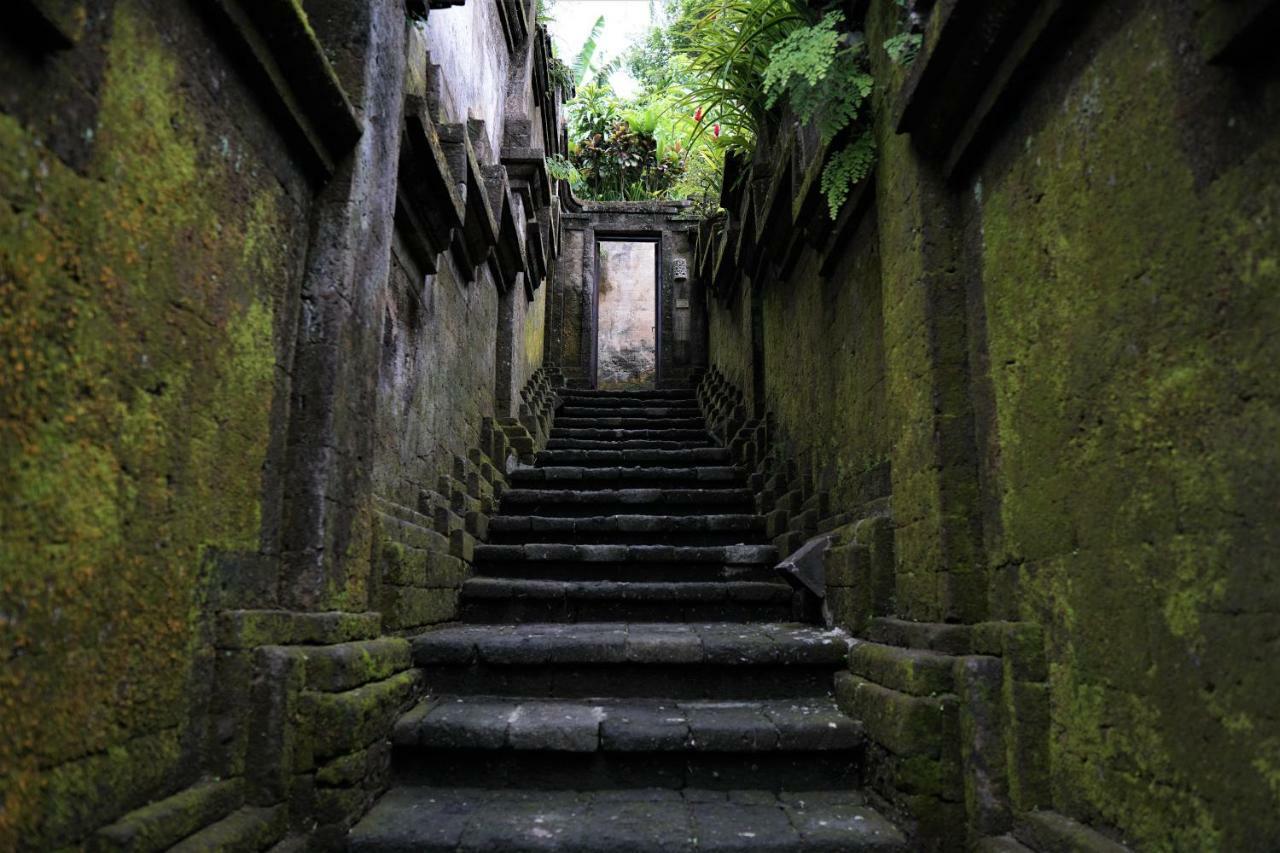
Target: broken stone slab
804	569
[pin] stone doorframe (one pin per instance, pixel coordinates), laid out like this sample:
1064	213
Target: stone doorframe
573	300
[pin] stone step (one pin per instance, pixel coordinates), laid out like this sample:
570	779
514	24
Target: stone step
479	820
514	600
622	477
804	724
626	444
751	555
632	457
639	572
570	502
639	394
606	742
761	660
577	398
560	432
645	423
652	412
562	561
628	529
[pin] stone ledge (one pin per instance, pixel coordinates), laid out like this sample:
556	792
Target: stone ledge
345	666
905	725
753	644
247	629
1051	831
250	828
628	725
161	824
911	671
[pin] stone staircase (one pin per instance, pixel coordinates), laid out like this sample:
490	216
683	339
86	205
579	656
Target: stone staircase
626	676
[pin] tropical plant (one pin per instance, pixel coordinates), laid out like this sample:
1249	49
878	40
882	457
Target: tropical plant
582	63
727	45
614	149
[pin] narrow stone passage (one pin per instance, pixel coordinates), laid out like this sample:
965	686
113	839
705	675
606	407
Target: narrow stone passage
627	676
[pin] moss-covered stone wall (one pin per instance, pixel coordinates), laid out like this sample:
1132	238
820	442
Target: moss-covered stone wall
824	368
1125	232
248	440
150	248
1053	317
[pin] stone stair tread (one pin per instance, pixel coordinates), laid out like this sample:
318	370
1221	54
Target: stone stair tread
563	552
551	474
637	643
627	444
638	820
681	458
619	434
632	496
604	724
663	410
676	591
616	422
644	394
628	523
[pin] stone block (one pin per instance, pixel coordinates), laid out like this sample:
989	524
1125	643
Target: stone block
337	723
161	824
348	665
557	726
249	828
905	725
916	672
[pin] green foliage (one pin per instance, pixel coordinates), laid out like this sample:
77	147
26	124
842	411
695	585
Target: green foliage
581	65
561	74
822	73
846	168
620	150
903	47
720	76
726	44
562	170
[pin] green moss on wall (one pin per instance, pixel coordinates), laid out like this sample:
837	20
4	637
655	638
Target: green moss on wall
1129	304
138	305
824	357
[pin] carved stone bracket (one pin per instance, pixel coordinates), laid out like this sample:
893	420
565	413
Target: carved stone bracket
509	248
972	56
1239	32
48	24
293	76
514	17
474	243
429	206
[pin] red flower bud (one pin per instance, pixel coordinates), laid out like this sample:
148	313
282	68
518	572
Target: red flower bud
697	116
715	131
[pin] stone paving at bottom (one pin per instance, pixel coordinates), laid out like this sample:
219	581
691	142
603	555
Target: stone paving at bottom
426	820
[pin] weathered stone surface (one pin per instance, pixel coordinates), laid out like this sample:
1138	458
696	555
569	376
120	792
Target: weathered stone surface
343	722
642	821
344	666
162	824
250	828
733	645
